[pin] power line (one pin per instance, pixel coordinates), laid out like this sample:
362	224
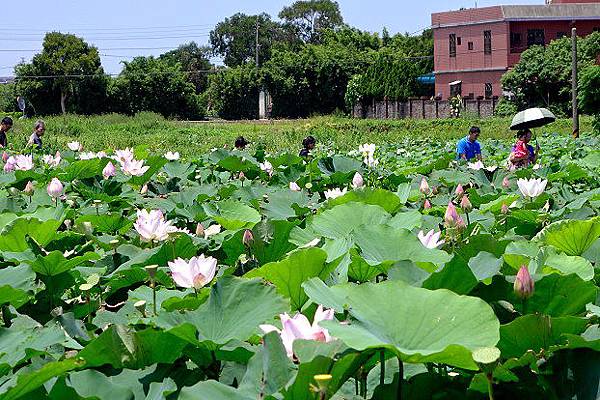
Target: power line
154	32
121	29
104	49
111	39
191	72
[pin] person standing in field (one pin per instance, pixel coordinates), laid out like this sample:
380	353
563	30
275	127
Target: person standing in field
5	126
468	147
308	144
523	154
241	143
36	137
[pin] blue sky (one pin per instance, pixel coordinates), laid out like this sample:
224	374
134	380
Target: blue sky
116	26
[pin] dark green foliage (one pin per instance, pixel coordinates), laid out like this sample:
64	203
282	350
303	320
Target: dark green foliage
589	93
308	19
233	92
194	62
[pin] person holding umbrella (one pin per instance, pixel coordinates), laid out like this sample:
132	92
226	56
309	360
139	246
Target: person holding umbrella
523	154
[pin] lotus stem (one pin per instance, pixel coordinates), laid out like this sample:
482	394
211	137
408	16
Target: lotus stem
382	367
524	306
89	302
468	220
153	285
400	379
490	382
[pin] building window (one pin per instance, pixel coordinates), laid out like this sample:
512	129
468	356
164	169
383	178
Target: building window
487	42
459	41
470	44
488	90
452	45
535	37
455	89
516	42
561	35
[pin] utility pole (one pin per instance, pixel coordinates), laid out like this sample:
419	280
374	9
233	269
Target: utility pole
262	108
574	84
257	46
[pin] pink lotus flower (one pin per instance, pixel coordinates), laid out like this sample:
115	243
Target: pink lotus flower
123	155
29	189
10	164
52	161
109	170
294	187
134	167
248	238
424	186
431	239
504	210
452	219
74	146
55	188
335	193
172	156
465	204
532	187
299	327
357	181
23	163
195	273
426	205
459	190
4	156
524	286
152	226
505	182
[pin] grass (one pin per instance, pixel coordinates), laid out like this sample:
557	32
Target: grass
192	138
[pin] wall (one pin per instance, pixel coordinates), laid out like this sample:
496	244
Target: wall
422	108
472	82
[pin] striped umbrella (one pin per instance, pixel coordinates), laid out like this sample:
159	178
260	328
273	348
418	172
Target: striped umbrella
532	118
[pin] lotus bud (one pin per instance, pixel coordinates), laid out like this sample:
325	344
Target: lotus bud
151	270
426	205
55	188
294	187
109	170
29	189
424	187
504	209
465	204
460	224
242	176
144	189
524	286
505	182
68	223
248	238
4	156
451	216
199	230
88	229
435	190
459	190
357	181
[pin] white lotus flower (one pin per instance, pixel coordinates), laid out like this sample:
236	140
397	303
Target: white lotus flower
172	156
532	187
195	273
152	226
267	167
294	187
134	167
52	161
123	155
23	163
367	150
358	181
479	165
55	188
212	230
87	156
334	193
299	327
74	146
109	170
431	239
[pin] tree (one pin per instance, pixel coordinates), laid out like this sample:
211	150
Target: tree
589	93
70	61
194	62
235	38
233	92
151	84
309	18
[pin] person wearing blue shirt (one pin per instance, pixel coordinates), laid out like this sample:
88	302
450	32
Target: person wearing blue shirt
468	147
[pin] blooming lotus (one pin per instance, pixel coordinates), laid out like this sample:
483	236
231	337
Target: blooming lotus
424	186
74	146
479	165
90	155
357	181
52	161
55	188
134	167
371	161
152	226
334	193
101	154
431	239
212	230
195	273
267	167
524	286
532	187
22	163
294	187
10	164
299	327
172	156
109	170
367	150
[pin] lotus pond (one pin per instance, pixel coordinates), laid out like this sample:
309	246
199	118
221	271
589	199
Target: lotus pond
385	273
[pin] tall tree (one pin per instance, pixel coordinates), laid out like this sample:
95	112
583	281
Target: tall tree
63	57
309	18
194	62
235	38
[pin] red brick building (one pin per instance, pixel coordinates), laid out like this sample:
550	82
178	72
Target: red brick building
474	47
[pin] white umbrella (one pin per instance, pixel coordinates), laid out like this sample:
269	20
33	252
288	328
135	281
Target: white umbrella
532	118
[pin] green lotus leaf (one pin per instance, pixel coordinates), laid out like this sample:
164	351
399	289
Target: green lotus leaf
234	215
55	263
289	274
341	220
569	265
379	197
420	325
573	237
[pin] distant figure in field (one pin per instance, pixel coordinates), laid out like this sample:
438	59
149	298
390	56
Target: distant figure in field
5	126
468	147
308	144
36	137
241	143
523	154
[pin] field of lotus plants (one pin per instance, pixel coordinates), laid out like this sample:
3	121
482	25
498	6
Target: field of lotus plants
389	272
